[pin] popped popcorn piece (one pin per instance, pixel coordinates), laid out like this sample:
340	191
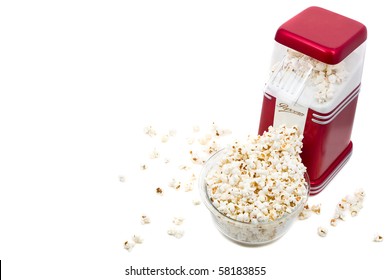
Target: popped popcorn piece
190	140
193	177
378	238
145	220
360	194
154	154
196	202
322	231
137	239
353	213
219	132
166	160
164	138
172	132
128	245
178	233
178	221
333	222
159	191
340	215
184	167
174	184
305	213
349	204
150	131
316	209
212	148
196	128
195	158
205	139
188	186
122	179
342	206
214	129
143	167
224	132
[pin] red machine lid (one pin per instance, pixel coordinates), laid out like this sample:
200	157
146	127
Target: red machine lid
322	34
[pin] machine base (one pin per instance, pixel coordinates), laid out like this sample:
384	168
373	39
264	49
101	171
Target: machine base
316	186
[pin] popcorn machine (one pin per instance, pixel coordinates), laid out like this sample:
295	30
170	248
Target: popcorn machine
314	84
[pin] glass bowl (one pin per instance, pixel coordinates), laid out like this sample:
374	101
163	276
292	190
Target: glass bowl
243	232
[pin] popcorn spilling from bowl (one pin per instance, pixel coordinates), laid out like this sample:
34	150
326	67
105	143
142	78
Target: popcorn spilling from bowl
260	180
279	148
307	210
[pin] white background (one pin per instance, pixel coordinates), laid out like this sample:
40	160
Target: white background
79	80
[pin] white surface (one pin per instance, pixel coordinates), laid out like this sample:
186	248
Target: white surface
80	80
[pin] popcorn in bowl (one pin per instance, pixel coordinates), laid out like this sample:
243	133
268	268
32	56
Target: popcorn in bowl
257	188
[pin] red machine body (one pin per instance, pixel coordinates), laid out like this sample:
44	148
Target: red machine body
332	39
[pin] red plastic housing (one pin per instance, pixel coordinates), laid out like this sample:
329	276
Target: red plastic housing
322	34
330	38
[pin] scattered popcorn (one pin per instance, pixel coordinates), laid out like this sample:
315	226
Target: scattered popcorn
214	128
340	215
378	238
353	213
349	204
137	239
205	139
178	233
178	220
260	180
154	154
224	132
188	186
193	177
342	206
322	231
316	209
196	128
196	202
360	194
184	167
159	191
149	130
212	148
128	245
195	158
190	140
219	132
143	167
172	132
174	184
333	222
145	220
164	138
